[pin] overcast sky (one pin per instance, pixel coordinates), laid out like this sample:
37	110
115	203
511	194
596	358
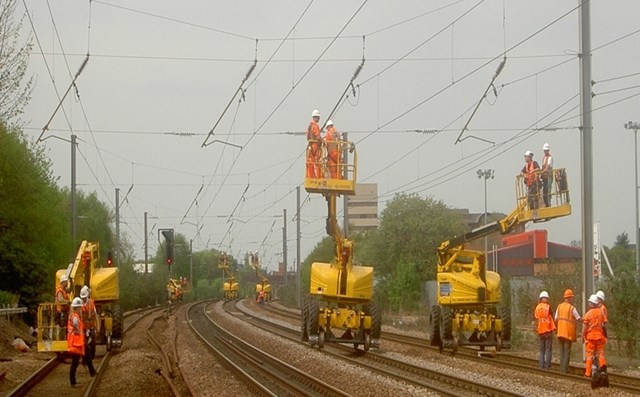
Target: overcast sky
161	73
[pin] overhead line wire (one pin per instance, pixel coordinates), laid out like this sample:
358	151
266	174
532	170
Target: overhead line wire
471	72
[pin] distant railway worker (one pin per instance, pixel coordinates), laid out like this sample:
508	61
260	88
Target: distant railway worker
566	318
547	175
545	328
76	339
331	139
600	296
62	301
90	320
531	179
314	151
594	334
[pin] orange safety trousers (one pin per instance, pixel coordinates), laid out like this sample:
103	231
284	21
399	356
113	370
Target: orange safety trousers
313	161
594	347
333	164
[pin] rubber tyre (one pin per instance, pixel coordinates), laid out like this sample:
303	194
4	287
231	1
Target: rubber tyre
376	321
117	322
446	325
505	315
305	319
313	314
434	326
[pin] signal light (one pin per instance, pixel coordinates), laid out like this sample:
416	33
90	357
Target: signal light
109	259
169	242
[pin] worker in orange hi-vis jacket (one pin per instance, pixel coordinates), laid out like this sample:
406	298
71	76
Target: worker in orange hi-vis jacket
331	139
594	334
314	151
545	329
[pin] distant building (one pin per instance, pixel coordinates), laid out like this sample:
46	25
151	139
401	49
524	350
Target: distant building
139	267
363	207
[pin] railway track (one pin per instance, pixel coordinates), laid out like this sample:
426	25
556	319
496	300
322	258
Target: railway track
53	377
443	383
265	374
508	360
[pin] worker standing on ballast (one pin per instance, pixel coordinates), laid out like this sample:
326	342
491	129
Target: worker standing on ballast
76	340
594	335
566	317
90	320
314	151
545	329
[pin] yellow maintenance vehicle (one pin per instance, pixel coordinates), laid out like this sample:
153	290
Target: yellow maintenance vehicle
103	283
263	288
468	311
230	285
339	306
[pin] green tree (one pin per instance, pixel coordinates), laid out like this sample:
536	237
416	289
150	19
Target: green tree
402	250
15	88
34	220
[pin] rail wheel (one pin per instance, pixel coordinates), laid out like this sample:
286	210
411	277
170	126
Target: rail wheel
434	326
321	338
305	320
367	342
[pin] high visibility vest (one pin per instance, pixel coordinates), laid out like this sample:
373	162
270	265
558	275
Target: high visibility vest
545	319
566	322
331	139
313	133
594	321
89	314
61	297
530	176
75	341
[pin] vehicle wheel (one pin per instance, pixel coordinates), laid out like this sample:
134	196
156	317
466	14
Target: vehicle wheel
505	314
376	321
313	313
321	336
109	345
434	326
305	320
367	342
446	326
117	322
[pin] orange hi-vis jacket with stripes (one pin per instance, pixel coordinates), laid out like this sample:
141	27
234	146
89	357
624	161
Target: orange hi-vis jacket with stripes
75	336
566	322
545	318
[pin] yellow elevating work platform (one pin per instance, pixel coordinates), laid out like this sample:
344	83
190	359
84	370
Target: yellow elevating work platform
330	173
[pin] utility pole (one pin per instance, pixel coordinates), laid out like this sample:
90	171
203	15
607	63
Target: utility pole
117	226
485	174
284	245
345	200
586	154
73	191
191	263
146	246
634	126
298	281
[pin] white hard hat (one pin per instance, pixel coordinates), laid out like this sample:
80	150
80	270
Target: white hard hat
544	294
593	299
528	153
600	295
84	292
545	146
76	302
64	278
315	113
329	123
